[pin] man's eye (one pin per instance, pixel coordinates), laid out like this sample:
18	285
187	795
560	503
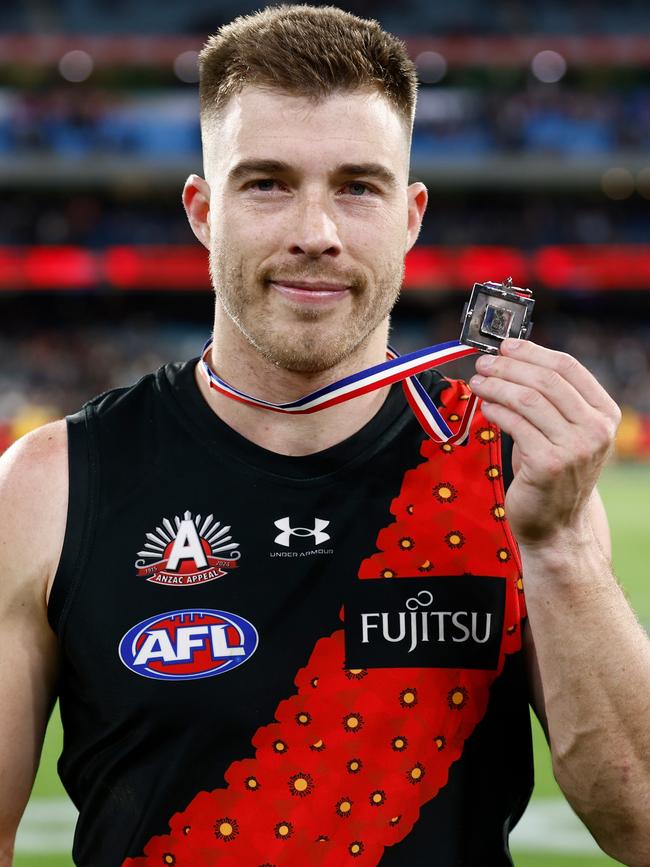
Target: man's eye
356	188
265	185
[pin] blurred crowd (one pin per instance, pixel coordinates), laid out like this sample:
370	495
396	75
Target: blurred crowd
537	119
49	373
452	121
86	122
461	17
93	218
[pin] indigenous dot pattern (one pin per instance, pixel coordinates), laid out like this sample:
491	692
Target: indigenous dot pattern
350	759
355	673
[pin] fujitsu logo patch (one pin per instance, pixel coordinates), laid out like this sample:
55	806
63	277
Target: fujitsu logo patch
445	622
187	551
188	644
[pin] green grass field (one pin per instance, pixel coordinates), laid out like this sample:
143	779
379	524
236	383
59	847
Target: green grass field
626	492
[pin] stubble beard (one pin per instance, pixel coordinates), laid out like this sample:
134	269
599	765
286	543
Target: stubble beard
311	340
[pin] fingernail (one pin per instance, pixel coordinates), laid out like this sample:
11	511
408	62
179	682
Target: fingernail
485	362
511	344
476	380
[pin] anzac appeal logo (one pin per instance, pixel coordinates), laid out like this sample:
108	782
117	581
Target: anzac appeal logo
187	551
188	644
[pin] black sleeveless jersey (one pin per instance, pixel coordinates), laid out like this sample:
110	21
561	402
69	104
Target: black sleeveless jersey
287	660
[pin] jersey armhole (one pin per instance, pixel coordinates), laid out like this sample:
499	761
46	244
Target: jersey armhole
81	514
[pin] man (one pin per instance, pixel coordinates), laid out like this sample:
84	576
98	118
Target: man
284	638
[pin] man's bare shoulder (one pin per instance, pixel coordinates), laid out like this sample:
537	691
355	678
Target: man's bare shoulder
38	459
33	508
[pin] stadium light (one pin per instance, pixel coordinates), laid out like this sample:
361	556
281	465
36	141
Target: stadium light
76	65
548	67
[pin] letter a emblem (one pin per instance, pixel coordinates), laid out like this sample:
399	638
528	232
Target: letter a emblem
187	546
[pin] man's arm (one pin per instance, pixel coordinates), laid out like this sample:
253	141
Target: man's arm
608	697
589	657
33	505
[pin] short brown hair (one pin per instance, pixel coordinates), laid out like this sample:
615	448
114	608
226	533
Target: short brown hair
307	51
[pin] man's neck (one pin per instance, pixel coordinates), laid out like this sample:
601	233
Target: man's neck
242	366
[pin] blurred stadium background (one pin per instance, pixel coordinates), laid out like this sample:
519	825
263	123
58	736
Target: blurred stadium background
532	134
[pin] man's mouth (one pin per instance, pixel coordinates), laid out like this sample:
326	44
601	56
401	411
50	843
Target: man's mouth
310	292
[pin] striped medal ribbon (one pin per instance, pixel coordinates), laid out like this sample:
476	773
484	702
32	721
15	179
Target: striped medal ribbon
396	368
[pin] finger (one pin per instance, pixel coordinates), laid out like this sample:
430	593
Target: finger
542	461
564	396
526	402
568	367
530	441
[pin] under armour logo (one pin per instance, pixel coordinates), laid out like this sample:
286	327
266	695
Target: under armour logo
284	538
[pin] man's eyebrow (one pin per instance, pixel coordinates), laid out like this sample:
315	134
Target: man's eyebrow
368	170
253	167
245	168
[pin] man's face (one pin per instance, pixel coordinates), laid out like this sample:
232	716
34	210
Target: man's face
309	220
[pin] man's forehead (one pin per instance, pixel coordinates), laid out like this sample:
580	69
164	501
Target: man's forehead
254	100
347	125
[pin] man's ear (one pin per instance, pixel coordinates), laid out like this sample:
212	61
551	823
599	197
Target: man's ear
417	203
196	201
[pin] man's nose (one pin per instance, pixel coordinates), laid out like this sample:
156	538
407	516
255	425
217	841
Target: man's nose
314	232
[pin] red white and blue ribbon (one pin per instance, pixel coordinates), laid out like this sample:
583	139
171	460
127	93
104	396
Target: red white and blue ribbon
397	368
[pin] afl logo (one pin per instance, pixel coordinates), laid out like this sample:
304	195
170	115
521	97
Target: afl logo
188	644
187	551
